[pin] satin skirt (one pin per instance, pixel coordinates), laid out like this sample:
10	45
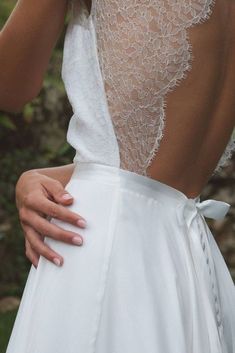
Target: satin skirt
149	276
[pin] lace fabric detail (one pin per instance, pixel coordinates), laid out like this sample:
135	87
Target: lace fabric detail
144	53
120	61
226	156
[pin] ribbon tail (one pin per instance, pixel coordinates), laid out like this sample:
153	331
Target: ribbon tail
214	209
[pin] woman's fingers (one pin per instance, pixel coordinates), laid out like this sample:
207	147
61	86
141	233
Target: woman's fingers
56	191
38	246
31	254
43	226
40	203
39	198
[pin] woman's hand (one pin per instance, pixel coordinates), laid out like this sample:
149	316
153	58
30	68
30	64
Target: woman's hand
37	197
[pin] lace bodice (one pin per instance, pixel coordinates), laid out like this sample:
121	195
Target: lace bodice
120	61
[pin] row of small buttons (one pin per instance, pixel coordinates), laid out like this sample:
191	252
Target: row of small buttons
217	307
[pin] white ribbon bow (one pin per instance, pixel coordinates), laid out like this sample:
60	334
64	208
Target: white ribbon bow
209	208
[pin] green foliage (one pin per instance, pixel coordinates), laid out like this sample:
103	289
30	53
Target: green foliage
6	323
5	9
6	122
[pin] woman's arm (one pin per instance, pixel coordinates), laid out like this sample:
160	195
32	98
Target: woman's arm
26	43
61	173
40	193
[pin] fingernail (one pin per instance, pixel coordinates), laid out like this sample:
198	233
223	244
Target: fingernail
57	261
67	197
77	240
82	222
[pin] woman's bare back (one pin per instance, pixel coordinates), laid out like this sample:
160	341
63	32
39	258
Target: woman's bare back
201	110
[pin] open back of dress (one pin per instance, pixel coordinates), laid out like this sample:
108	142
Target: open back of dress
121	59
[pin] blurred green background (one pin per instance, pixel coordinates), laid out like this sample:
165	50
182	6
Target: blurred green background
36	138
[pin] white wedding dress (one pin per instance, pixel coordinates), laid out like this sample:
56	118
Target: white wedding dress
149	276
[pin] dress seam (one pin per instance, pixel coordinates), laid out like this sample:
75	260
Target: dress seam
105	269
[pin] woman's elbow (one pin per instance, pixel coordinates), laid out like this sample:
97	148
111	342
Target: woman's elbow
12	107
14	102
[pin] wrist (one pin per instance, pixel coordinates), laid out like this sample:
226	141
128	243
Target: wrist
23	182
60	173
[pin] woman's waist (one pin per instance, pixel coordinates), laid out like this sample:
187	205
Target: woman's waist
129	181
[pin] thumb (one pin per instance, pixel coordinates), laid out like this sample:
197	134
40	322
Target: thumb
57	192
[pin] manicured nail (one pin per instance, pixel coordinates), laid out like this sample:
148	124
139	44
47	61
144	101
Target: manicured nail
82	222
67	197
57	261
77	240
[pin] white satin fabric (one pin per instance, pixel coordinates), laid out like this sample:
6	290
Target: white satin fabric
148	278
